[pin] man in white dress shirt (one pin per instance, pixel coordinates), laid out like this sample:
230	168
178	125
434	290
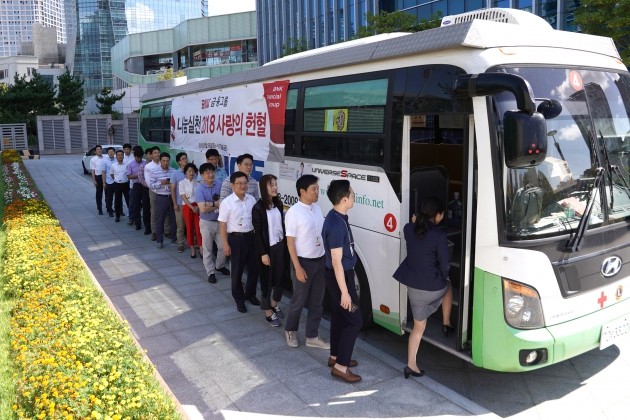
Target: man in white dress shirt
237	235
303	222
121	182
96	168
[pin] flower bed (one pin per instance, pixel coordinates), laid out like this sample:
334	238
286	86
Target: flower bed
73	357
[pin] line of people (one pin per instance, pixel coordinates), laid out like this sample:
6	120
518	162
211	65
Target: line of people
245	218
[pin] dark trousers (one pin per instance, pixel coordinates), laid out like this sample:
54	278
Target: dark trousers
273	276
243	255
137	204
109	196
344	325
126	195
99	192
164	206
146	209
309	294
121	189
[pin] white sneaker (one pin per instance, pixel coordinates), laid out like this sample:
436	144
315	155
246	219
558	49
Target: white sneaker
318	343
291	337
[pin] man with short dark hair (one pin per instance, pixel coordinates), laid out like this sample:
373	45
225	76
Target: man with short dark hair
108	181
134	171
96	169
148	168
207	198
178	174
121	183
237	234
245	164
160	183
341	258
303	223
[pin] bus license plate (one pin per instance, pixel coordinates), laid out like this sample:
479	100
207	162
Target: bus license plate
614	330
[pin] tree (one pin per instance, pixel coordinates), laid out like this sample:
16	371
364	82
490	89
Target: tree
609	18
70	95
23	101
168	74
106	100
293	46
397	21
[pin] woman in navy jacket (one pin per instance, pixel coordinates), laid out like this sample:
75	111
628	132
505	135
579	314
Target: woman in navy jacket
270	247
425	273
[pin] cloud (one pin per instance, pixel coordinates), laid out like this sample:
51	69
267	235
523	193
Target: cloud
140	18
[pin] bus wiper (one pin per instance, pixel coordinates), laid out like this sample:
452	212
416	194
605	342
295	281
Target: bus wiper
574	243
610	168
613	170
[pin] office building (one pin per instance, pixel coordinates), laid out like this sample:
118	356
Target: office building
100	24
18	16
317	23
198	48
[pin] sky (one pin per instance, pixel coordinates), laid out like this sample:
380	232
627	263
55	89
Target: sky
222	7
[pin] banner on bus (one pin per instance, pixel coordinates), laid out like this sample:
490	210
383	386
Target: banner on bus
237	120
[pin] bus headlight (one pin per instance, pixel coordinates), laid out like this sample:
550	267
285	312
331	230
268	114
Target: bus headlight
521	305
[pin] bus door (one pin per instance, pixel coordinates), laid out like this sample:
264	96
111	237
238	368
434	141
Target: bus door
440	155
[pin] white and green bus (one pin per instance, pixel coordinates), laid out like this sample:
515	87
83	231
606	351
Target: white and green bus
529	126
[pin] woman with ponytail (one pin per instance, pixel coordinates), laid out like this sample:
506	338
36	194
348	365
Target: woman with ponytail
425	273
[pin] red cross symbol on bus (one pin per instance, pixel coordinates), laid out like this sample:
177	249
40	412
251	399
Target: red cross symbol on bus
601	300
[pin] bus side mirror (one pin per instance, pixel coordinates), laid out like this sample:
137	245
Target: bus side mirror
524	139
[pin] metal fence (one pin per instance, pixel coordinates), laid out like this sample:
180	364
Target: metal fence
58	135
13	136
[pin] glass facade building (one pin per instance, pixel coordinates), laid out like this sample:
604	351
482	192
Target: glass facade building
204	47
17	18
317	23
100	24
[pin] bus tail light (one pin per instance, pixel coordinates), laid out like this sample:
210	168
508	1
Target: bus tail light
521	306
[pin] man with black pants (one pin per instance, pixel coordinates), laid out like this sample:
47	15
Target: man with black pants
96	168
345	320
237	235
160	182
121	183
303	223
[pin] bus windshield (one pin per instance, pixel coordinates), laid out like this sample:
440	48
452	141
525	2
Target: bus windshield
588	127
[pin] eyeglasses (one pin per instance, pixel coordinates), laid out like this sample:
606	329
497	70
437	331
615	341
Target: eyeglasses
240	183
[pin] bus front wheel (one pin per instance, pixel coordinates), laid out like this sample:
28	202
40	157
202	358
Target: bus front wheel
363	291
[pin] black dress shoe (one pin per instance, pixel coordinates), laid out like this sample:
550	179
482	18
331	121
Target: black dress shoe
241	308
147	232
224	271
212	279
111	214
100	212
117	219
138	227
408	371
254	301
446	329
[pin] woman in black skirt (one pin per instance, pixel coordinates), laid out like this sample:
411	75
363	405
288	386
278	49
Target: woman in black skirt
270	248
425	273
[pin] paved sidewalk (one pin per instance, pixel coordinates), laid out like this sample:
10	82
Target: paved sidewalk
218	362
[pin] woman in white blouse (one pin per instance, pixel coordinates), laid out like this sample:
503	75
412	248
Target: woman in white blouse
187	187
270	248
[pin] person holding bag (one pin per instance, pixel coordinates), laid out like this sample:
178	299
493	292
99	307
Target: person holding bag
425	273
270	248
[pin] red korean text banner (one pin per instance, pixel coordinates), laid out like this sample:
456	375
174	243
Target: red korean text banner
238	120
